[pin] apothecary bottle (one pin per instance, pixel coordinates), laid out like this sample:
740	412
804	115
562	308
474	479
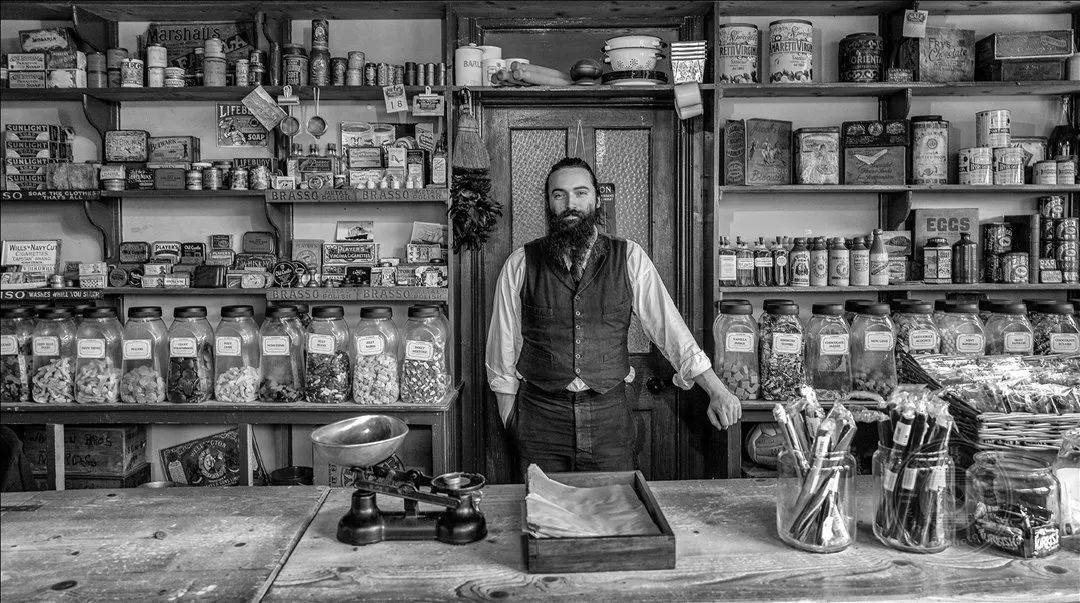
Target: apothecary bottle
1056	332
53	346
781	360
839	263
828	357
98	357
916	332
281	356
145	352
1013	501
725	265
327	366
425	369
962	333
860	262
1066	469
191	356
781	264
744	264
816	515
763	264
16	354
377	356
236	356
799	258
915	501
819	263
1008	330
736	359
873	351
965	268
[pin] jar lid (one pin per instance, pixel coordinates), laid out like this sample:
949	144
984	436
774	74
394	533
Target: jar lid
875	309
16	313
986	305
738	307
189	312
1012	463
100	313
926	118
1047	306
237	312
853	305
912	306
281	312
773	301
962	308
1005	306
327	312
828	309
144	312
81	309
54	313
943	305
376	312
791	309
423	312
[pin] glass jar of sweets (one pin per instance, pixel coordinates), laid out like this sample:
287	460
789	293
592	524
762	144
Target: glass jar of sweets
1066	469
766	317
53	363
191	356
1013	501
1056	332
852	307
145	353
281	356
781	359
425	370
236	356
816	514
828	354
326	356
916	332
16	355
377	352
873	351
1008	330
915	501
736	360
962	332
986	308
98	357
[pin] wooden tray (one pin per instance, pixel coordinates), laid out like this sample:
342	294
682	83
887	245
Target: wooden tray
604	553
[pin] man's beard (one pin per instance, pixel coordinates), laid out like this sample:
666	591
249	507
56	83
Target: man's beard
570	238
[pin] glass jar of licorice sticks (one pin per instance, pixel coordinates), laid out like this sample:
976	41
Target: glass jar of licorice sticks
915	505
815	500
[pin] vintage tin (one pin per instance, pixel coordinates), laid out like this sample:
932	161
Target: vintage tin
1066	229
997	237
975	165
155	77
1047	247
357	59
440	74
214	72
241	72
259	177
1014	267
193	180
213	47
817	155
383	77
319	67
1067	254
429	73
114	58
1008	165
338	66
992	267
929	150
937	261
212	178
371	74
1046	229
1066	170
1052	206
238	179
738	47
354	77
157	56
1045	172
860	57
320	34
992	128
295	62
397	75
96	61
791	51
131	73
411	74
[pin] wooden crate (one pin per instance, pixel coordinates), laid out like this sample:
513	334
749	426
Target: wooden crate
92	450
604	553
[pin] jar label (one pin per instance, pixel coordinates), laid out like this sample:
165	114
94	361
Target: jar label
275	345
419	350
8	345
727	267
787	343
888	481
739	342
970	344
909	478
833	345
91	348
182	347
46	346
937	478
137	349
745	263
1018	343
922	339
320	344
780	260
370	345
227	346
763	262
878	342
1064	343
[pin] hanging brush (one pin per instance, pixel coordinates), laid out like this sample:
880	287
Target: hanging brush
473	212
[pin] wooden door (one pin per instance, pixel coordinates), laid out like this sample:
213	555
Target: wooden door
634	149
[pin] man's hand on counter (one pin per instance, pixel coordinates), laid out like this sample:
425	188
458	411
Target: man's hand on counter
724	408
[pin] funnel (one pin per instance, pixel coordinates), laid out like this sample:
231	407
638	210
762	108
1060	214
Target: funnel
360	441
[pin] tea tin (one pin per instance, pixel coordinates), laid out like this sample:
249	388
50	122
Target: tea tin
738	47
791	51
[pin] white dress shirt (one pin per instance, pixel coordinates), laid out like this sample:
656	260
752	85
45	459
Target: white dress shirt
651	303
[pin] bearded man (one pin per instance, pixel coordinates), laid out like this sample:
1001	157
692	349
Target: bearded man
557	355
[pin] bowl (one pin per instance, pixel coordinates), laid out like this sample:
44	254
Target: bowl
633	42
632	59
360	441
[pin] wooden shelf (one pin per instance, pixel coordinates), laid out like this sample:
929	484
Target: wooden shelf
180	194
877	89
23	296
574	92
336	195
216	292
195	93
50	196
721	291
359	294
898	188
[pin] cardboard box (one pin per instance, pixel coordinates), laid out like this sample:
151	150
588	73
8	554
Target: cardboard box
176	281
40	40
1021	70
72	176
946	223
366	178
364	157
27	79
65	59
946	54
24	182
140	179
875	165
897	242
26	165
93	268
308	251
93	281
91	451
766	152
344	253
29	61
169	179
174	149
1049	44
35	132
422	253
34	255
57	151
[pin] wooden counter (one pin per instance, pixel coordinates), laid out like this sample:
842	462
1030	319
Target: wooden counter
727	549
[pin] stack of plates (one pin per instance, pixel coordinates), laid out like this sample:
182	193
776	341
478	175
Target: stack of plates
634	78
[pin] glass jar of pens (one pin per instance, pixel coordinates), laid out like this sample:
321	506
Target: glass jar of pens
815	493
914	474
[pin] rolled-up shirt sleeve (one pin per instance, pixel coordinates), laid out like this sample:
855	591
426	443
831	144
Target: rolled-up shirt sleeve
504	331
661	319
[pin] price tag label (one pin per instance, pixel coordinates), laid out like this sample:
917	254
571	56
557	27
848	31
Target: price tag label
915	23
739	342
394	96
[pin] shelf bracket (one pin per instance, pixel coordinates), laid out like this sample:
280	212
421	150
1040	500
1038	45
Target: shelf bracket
93	30
280	216
102	115
104	215
894	209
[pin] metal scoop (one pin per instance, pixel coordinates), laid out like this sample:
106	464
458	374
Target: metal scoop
316	126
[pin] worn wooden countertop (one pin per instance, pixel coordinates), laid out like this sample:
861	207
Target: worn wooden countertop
727	549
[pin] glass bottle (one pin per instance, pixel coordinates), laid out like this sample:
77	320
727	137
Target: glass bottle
326	356
335	158
781	267
799	258
1013	499
425	370
860	263
16	354
236	356
873	354
763	265
819	263
781	362
378	353
839	263
1008	330
915	502
1063	138
1057	331
816	513
965	260
879	260
292	164
1066	469
98	357
53	347
916	332
281	356
145	353
735	360
725	265
962	333
191	356
744	264
828	356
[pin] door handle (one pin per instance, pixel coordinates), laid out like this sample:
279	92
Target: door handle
655	385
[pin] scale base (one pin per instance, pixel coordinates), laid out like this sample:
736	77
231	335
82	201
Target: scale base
366	524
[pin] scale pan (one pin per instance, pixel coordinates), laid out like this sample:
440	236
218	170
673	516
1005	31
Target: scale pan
360	441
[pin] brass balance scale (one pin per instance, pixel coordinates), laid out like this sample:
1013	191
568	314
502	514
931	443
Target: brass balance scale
367	445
